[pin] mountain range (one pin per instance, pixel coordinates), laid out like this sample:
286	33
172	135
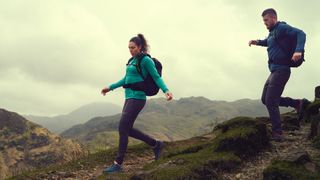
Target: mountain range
60	123
169	121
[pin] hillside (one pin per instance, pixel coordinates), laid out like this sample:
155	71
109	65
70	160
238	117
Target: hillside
25	145
239	148
60	123
170	121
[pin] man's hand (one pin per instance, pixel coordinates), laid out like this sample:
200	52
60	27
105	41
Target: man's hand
296	56
254	42
104	91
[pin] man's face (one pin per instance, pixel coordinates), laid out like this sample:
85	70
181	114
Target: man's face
269	20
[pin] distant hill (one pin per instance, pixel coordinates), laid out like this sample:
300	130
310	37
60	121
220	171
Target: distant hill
57	124
25	145
170	121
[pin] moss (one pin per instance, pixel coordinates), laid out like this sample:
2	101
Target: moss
243	141
288	170
230	140
192	145
235	122
205	159
201	165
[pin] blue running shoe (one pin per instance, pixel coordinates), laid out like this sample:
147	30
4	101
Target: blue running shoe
157	150
113	169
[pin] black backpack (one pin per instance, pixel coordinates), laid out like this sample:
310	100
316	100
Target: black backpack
147	85
290	50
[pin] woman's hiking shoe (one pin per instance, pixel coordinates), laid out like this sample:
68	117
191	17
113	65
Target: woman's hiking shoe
157	149
113	169
303	103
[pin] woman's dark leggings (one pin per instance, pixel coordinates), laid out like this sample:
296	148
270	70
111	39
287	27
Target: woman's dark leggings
130	111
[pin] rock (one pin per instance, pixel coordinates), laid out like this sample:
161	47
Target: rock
238	176
312	167
180	161
290	122
316	142
315	126
317	93
70	175
204	172
312	109
167	164
265	120
63	174
298	157
289	170
243	136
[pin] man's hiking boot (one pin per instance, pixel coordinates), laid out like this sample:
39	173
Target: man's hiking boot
302	105
277	136
114	168
157	149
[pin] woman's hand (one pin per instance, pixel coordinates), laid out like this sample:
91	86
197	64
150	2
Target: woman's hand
104	91
169	96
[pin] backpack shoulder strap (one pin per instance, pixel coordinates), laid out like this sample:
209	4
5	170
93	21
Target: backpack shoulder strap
129	61
139	60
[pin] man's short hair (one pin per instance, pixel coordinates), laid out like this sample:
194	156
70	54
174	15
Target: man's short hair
269	11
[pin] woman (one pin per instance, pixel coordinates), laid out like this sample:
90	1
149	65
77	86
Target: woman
135	101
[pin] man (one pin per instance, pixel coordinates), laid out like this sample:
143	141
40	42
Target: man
280	55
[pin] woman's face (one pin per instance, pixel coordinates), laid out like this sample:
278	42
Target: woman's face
134	49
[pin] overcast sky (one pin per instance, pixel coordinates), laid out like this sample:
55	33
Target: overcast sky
56	55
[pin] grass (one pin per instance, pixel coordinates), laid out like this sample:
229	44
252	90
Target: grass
88	162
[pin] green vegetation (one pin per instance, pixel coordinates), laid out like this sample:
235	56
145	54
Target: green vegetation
87	162
288	170
207	156
196	158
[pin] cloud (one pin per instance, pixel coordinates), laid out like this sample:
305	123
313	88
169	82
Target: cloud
63	52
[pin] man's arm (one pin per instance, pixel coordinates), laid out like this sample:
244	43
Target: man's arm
259	42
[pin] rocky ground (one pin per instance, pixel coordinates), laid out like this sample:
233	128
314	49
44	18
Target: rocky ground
295	142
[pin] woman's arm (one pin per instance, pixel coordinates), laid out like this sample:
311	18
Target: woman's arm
117	84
